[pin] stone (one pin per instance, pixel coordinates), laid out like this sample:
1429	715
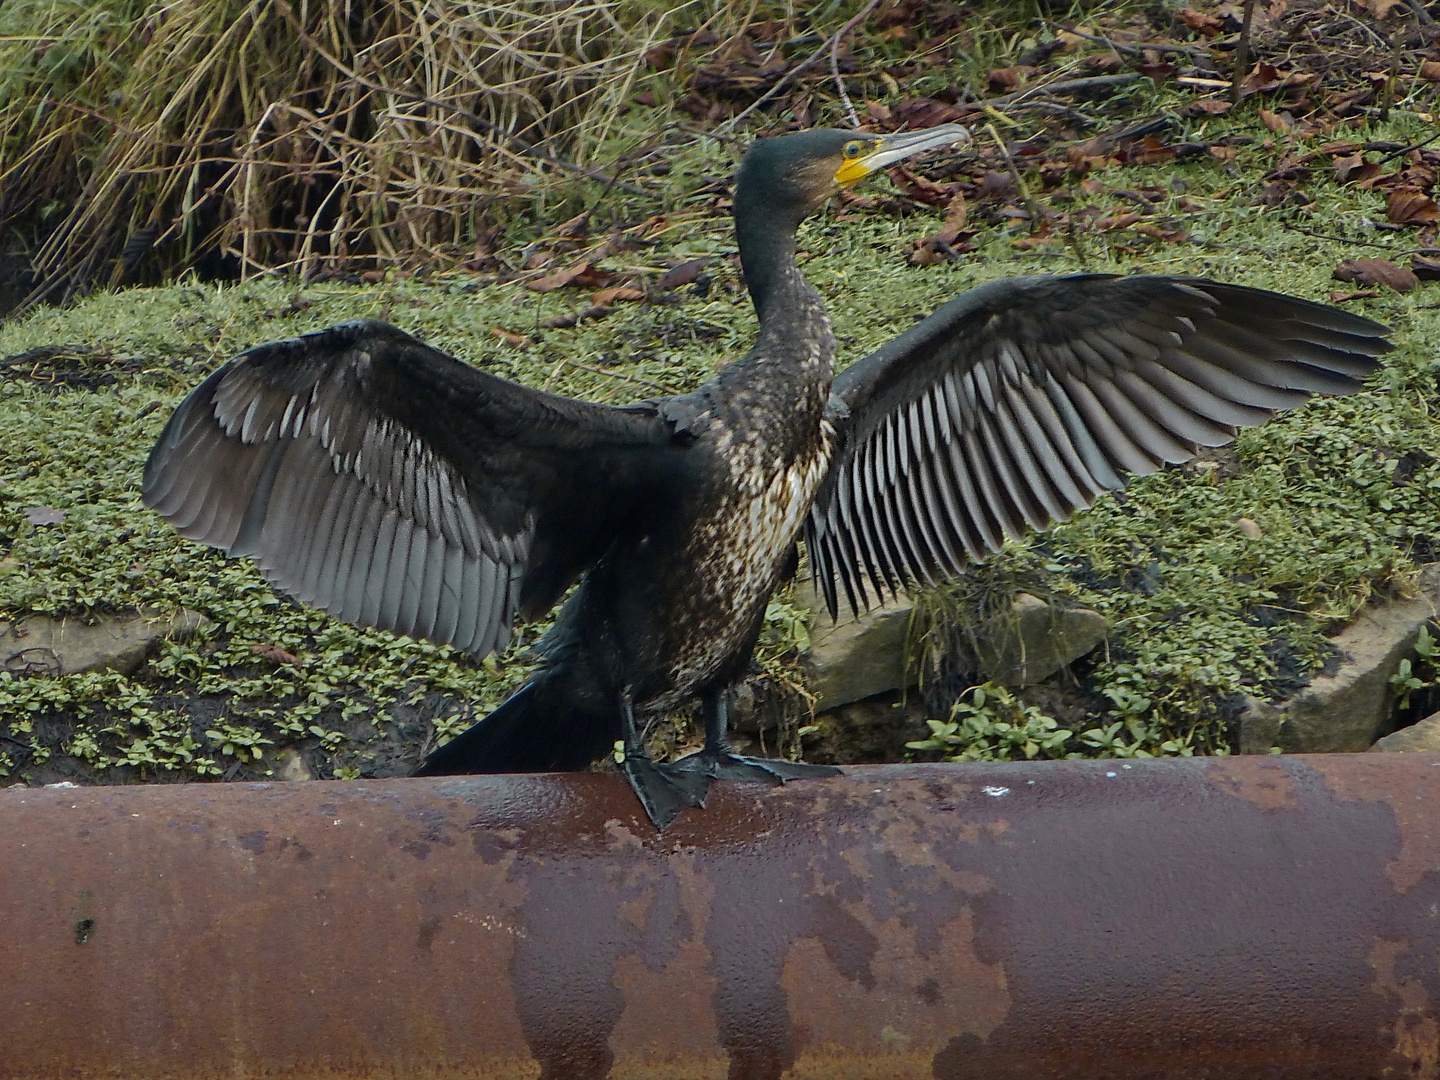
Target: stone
1037	640
854	658
1424	735
42	645
290	764
1347	711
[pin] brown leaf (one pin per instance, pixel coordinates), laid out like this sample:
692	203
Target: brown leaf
916	113
684	274
1358	294
577	226
1006	79
43	515
1412	208
1376	272
1276	122
579	274
1212	106
1224	154
1263	78
1249	528
511	337
878	112
276	655
1346	167
1092	187
606	297
954	219
1198	21
1150	152
1170	236
1430	70
1118	221
1380	8
919	187
925	254
1158	71
1426	267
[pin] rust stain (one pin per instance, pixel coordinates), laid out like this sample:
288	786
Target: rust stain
1261	781
1409	784
1417	1036
914	1000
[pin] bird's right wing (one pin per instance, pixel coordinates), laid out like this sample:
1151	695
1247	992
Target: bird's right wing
1017	403
391	485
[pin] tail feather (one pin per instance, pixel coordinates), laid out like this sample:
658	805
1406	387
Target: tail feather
539	728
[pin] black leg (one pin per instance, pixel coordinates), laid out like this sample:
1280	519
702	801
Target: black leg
663	796
718	762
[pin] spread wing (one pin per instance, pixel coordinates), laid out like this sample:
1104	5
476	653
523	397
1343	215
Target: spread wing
1018	402
391	485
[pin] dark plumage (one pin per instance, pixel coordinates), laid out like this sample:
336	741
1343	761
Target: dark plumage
389	484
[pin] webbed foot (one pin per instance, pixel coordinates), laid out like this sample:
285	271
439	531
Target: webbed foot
720	764
662	794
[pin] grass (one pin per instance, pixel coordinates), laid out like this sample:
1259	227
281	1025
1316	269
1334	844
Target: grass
1346	493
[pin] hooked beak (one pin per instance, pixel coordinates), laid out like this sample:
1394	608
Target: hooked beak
892	148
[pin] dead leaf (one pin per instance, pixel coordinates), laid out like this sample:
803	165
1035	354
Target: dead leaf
1224	154
1276	122
1249	528
1358	294
510	337
926	254
1346	167
1412	208
276	655
1380	8
1150	152
1200	22
580	274
1170	236
561	322
43	515
954	219
1426	267
684	274
1376	272
1157	71
1040	236
1092	187
1263	78
1006	79
878	112
606	297
577	226
1118	221
1430	71
1211	106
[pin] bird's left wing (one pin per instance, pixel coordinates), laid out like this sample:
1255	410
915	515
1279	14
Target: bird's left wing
1018	402
391	485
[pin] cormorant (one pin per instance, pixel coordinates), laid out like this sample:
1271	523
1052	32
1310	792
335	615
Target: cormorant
377	478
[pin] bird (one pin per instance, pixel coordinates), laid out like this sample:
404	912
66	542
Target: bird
373	476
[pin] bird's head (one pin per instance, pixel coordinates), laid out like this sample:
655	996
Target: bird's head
782	180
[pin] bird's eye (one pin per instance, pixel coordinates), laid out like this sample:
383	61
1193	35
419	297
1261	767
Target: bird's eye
853	148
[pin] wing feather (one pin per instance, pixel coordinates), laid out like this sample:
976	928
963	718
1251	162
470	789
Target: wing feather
391	485
1019	402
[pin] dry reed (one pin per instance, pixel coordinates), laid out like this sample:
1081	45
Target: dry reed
303	135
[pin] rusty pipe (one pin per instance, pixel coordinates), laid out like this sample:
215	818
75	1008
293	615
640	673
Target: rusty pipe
1226	918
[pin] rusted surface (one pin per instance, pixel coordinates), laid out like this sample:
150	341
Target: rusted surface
1229	918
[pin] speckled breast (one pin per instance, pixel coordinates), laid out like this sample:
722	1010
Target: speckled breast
737	550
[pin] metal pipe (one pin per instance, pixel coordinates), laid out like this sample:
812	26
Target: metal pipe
1226	918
